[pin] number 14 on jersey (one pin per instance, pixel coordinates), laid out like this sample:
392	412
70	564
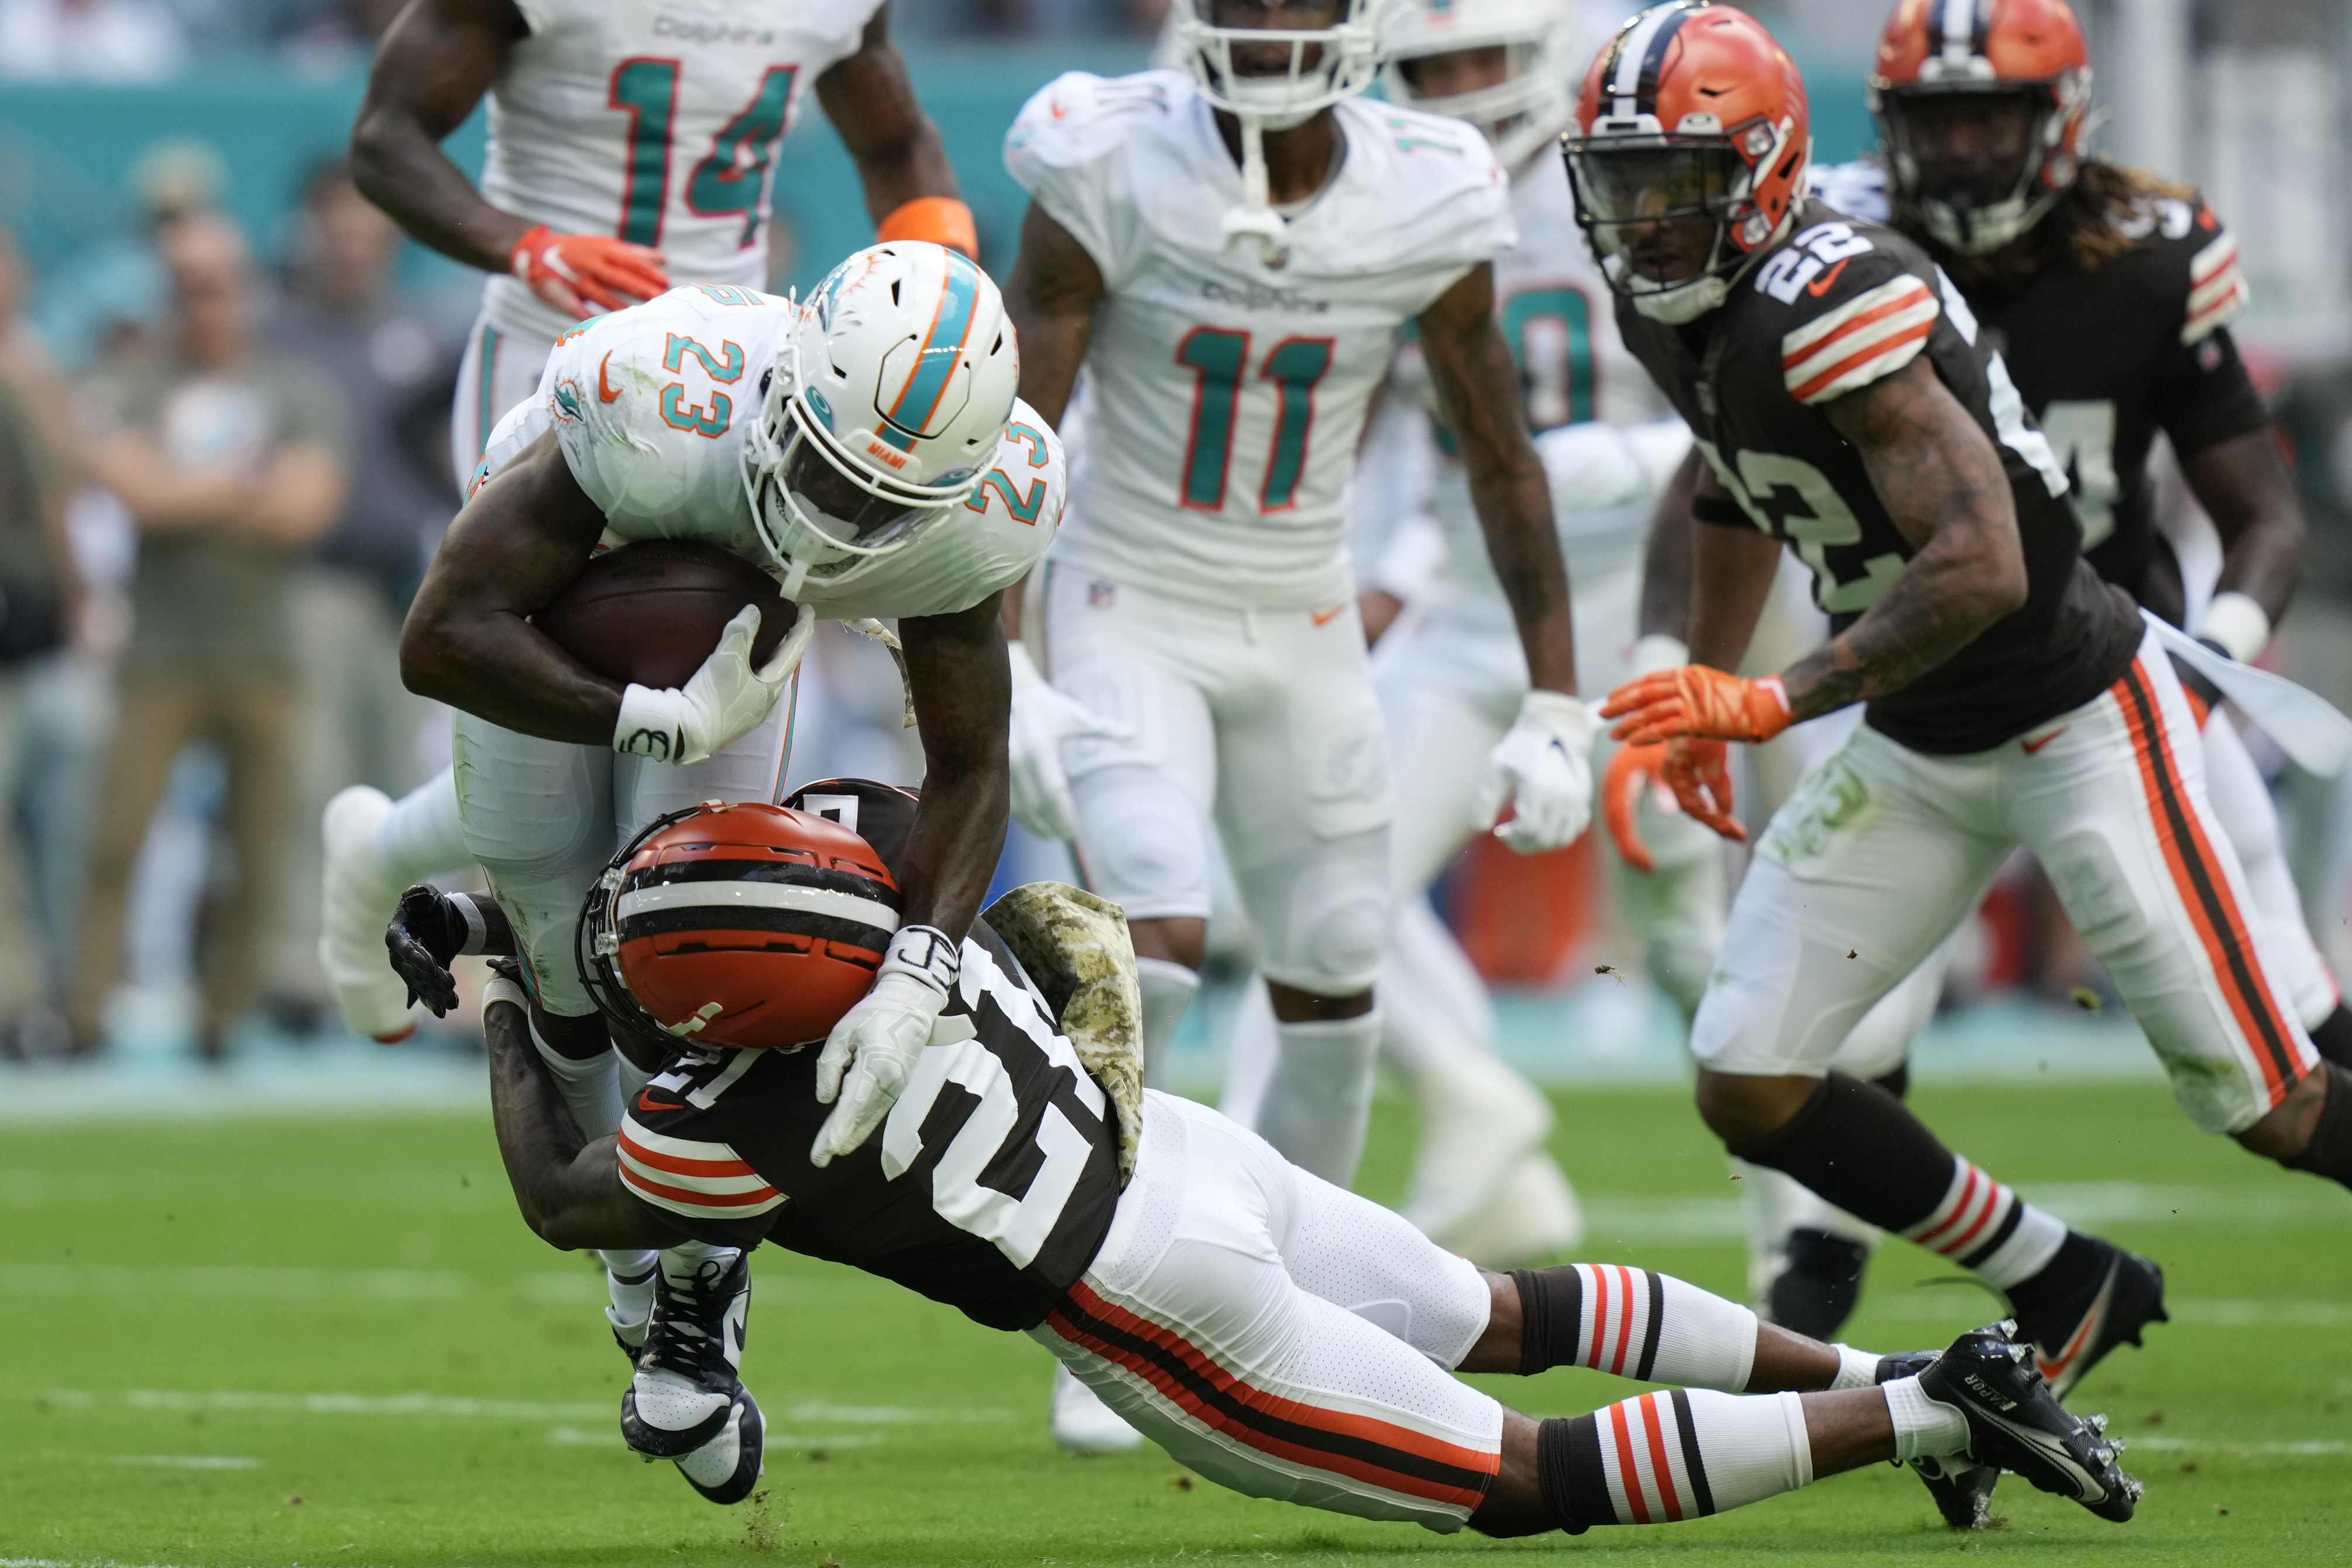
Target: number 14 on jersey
1219	359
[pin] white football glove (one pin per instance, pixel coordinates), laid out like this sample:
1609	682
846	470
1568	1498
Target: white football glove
1592	466
871	1051
724	700
1544	766
1042	718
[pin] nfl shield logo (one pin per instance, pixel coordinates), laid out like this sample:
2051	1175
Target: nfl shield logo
1101	594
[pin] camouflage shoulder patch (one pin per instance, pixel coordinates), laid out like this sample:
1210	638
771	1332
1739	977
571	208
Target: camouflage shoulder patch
1074	946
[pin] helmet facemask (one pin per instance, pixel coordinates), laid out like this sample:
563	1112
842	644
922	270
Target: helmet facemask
1982	160
819	509
1669	215
1518	114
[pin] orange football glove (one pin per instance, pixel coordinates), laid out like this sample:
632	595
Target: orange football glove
1632	773
941	220
1694	769
571	272
1691	699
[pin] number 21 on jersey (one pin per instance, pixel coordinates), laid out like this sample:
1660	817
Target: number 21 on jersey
1219	361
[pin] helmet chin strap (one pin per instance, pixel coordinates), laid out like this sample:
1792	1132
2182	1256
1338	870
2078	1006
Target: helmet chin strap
1256	218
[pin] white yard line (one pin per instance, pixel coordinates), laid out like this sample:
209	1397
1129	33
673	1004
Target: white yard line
453	1408
1611	1220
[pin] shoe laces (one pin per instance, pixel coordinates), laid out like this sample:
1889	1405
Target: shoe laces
688	1335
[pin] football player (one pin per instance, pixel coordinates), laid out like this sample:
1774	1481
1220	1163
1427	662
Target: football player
868	450
1228	252
1271	1331
1844	402
628	146
1451	677
2110	289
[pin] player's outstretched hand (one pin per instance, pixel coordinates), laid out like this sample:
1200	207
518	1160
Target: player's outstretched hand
426	933
571	272
723	701
872	1050
1695	768
1633	773
1543	768
1691	699
1042	718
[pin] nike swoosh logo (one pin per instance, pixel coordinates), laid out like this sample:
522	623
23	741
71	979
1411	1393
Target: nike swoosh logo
2053	1368
607	393
1324	617
645	1102
2033	747
1826	281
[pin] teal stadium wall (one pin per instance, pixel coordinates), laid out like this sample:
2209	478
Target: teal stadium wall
66	150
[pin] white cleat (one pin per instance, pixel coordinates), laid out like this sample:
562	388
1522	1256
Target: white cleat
356	903
1478	1119
1083	1424
1535	1215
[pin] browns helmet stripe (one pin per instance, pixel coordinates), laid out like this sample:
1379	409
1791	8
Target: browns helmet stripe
841	934
1638	57
1966	27
741	870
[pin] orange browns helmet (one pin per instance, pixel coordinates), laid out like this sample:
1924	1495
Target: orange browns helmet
1691	112
738	925
1980	106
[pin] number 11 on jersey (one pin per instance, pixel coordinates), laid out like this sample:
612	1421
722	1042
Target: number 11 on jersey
1218	358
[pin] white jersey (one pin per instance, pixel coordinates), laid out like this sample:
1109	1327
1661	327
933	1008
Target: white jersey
650	403
655	122
1228	395
1560	321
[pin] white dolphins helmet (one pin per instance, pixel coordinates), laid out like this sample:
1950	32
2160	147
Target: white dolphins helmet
1346	58
882	410
1529	107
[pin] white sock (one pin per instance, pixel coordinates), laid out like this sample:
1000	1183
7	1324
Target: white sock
629	1284
1923	1426
1856	1368
1319	1101
1250	1051
1688	1453
2028	1251
1168	988
588	1086
1984	1226
1701	1341
420	837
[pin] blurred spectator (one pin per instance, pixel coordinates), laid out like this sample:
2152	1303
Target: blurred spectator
229	458
89	40
359	724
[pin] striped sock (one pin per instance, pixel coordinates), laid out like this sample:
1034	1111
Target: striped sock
1682	1454
1633	1323
1982	1225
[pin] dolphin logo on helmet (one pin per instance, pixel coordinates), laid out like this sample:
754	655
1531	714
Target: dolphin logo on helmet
882	410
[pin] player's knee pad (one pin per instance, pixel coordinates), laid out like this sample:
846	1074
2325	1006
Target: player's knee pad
1143	841
1325	931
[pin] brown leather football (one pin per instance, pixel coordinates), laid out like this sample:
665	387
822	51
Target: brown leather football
650	612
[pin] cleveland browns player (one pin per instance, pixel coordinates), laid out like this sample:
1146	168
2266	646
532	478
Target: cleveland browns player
2108	290
1846	403
1278	1334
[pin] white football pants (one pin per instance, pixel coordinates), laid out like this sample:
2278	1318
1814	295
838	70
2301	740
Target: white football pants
499	369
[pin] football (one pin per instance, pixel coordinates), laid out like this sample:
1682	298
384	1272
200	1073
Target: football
650	612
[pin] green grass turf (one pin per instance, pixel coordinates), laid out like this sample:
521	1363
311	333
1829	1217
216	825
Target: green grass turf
152	1274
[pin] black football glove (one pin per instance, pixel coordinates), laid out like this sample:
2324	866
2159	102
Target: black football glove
425	934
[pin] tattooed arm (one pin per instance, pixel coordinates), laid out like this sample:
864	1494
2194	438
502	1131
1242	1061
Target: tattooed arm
1478	396
1943	483
1051	299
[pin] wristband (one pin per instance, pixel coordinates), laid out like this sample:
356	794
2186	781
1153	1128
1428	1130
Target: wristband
502	990
1659	652
2239	625
928	953
940	220
649	724
477	939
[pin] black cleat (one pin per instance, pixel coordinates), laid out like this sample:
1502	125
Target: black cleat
685	1387
2116	1294
2016	1423
1962	1490
1820	1287
727	1467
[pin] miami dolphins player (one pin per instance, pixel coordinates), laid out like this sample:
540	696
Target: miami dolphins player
1229	251
868	450
629	146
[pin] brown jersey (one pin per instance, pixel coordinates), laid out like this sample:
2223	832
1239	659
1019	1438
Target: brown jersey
990	1188
1836	306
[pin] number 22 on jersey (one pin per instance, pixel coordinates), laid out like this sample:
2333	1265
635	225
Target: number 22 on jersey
1219	361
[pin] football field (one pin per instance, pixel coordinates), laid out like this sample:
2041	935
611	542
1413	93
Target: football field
330	1341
